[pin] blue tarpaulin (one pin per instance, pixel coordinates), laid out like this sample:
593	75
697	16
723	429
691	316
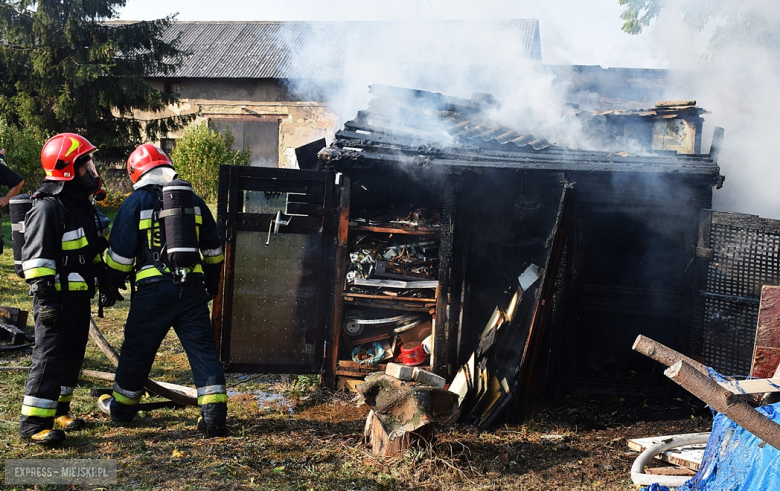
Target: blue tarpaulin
735	460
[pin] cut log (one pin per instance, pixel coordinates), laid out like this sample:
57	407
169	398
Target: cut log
724	401
663	354
383	446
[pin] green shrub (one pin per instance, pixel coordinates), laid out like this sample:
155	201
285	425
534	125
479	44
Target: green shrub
23	153
198	155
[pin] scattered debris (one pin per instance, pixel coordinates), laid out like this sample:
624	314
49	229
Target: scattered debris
400	410
11	321
722	396
688	456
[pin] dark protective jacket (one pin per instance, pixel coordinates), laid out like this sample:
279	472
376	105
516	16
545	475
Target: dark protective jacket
62	243
137	240
7	176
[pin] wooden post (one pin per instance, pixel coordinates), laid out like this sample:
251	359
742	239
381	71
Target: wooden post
723	401
383	446
663	354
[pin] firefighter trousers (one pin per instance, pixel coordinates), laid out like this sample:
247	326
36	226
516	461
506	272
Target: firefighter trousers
155	308
56	362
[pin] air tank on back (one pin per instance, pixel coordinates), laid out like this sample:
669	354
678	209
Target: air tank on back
18	207
178	217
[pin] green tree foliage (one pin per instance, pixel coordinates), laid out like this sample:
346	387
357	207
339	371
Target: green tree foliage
23	152
745	22
66	67
638	14
198	155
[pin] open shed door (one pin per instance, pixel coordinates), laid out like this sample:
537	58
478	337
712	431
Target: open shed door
272	311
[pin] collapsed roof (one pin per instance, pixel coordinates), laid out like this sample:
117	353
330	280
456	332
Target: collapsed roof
405	126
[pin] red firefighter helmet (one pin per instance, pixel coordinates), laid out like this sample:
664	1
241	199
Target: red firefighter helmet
59	154
145	158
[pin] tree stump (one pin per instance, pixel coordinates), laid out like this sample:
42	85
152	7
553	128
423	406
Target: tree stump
383	446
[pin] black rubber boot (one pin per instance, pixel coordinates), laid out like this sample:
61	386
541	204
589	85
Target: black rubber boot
212	420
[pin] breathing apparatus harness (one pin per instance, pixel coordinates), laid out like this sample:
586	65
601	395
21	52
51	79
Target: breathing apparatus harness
23	203
173	248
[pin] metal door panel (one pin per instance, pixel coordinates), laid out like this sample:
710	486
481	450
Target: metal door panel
272	312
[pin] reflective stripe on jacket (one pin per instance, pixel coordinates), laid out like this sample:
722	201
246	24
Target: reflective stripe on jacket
67	253
136	237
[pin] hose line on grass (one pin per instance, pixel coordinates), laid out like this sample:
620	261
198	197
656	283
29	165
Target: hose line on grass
670	481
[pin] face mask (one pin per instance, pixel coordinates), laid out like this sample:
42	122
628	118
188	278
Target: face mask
89	182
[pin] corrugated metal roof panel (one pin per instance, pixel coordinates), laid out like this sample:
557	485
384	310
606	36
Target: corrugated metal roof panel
325	49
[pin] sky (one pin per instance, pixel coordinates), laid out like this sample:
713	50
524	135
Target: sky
564	24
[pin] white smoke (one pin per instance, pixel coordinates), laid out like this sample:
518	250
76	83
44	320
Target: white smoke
737	82
455	58
737	78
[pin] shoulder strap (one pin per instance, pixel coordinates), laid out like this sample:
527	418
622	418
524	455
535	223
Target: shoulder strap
155	256
62	213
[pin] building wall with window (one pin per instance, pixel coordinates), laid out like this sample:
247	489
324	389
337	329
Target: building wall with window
263	115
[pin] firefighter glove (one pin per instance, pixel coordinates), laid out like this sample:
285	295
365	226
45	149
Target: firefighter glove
211	280
109	296
212	290
48	301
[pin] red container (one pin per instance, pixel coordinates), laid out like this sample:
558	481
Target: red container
412	353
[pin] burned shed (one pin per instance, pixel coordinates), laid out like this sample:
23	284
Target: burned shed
528	264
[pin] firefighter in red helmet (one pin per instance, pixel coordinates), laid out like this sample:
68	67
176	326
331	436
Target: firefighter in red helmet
61	257
140	248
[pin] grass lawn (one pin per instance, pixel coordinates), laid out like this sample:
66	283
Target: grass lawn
312	439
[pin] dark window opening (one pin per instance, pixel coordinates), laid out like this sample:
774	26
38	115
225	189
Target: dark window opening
167	145
260	138
173	88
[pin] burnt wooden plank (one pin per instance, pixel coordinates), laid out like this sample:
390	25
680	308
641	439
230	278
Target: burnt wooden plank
307	154
14	316
544	300
339	276
766	351
12	334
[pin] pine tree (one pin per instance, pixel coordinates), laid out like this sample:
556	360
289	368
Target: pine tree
68	67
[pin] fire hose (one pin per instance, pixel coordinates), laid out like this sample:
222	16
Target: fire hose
177	393
642	479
